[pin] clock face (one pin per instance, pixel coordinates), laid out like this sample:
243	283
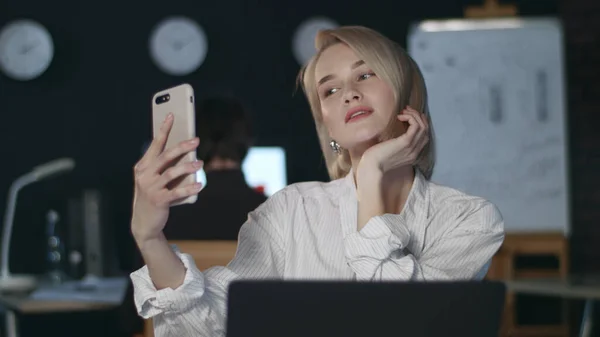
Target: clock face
178	46
26	49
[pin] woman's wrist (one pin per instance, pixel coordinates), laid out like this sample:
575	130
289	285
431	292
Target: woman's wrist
368	175
145	243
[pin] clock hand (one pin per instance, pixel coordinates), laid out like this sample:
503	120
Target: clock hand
26	49
179	45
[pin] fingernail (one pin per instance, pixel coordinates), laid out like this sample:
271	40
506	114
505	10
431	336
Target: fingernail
197	164
198	186
169	116
193	141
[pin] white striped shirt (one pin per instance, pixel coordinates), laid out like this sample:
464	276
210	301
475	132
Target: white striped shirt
309	231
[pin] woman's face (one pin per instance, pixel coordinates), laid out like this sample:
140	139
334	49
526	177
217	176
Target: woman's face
356	105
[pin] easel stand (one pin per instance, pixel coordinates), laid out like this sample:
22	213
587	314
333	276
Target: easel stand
503	268
524	245
490	9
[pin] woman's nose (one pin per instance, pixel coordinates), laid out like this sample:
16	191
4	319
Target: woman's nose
352	94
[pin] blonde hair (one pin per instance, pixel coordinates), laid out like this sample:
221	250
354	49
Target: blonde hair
392	64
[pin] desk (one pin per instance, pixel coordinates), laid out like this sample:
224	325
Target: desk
587	289
57	299
24	304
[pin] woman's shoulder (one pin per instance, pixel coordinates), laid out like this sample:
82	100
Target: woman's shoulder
443	193
444	199
313	189
294	193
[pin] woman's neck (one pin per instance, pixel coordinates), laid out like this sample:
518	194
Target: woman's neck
396	185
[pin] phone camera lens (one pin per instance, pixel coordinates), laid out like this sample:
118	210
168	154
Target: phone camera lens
162	99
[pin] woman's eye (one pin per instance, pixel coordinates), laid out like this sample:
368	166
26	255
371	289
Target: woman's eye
365	76
331	91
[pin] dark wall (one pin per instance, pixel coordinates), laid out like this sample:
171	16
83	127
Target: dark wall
93	103
582	33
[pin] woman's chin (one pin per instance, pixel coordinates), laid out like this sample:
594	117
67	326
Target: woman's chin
364	137
362	144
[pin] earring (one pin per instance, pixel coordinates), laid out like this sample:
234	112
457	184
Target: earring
335	147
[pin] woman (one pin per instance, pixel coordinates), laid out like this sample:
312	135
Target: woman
380	219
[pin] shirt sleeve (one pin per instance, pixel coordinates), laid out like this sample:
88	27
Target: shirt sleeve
378	251
198	306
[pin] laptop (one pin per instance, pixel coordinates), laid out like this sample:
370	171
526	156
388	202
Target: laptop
348	309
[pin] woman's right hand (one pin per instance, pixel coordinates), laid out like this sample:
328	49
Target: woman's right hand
152	197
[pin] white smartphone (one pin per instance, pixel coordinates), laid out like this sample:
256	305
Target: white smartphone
178	100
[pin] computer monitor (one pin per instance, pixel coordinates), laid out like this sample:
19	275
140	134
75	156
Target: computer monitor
264	169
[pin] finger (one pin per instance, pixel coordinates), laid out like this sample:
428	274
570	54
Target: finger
167	157
176	172
413	113
423	140
420	116
183	192
422	120
413	127
158	143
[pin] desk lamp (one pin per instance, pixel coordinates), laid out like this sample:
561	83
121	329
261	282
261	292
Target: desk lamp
18	283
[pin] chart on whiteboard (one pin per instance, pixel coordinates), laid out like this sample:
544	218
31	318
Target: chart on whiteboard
496	98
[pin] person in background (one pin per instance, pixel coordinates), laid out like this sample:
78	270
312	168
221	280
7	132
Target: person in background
226	133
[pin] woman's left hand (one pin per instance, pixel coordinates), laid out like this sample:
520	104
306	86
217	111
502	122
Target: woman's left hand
403	150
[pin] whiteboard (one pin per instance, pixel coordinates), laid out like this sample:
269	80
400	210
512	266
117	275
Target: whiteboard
497	103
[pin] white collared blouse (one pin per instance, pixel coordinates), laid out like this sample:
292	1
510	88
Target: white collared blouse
309	231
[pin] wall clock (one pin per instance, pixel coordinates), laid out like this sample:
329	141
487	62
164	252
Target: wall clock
26	49
178	46
303	41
